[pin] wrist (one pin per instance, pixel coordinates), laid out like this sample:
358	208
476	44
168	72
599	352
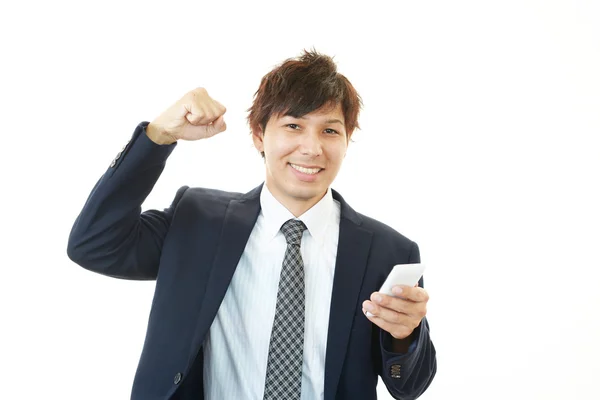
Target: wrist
158	137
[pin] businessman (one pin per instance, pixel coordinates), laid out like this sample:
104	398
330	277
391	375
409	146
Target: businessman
262	295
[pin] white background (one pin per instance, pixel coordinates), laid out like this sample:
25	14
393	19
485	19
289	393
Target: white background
479	141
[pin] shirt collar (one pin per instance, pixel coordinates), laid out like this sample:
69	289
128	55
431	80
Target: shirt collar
275	214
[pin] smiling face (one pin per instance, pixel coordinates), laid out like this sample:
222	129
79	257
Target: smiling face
303	156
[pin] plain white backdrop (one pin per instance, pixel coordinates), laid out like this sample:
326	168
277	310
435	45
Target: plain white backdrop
479	141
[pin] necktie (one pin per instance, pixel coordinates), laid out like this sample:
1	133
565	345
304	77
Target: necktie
284	366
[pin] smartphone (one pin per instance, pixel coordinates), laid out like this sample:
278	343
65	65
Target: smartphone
402	274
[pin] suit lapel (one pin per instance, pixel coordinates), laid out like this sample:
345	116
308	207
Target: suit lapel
353	250
240	217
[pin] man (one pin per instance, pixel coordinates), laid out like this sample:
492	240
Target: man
263	294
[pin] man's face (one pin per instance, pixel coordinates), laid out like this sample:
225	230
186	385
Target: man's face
303	155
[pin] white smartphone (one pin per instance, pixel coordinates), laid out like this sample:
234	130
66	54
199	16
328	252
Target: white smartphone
402	274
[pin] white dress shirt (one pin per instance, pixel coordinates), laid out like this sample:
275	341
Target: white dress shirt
237	345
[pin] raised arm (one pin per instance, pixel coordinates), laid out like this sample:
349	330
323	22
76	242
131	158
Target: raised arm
111	235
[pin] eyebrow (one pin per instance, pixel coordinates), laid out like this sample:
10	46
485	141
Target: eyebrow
329	121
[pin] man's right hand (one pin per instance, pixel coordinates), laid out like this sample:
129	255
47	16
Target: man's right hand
195	116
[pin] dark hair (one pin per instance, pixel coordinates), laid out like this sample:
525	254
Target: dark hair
301	85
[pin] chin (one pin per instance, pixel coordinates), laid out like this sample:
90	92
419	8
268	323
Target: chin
306	193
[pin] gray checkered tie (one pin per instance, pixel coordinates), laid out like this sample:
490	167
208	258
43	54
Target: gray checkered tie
284	366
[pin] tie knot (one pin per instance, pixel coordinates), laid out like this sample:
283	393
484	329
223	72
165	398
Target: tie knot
292	230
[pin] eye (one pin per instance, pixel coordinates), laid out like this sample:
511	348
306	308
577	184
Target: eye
292	125
333	131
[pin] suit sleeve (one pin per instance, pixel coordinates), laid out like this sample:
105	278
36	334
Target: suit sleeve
407	376
111	235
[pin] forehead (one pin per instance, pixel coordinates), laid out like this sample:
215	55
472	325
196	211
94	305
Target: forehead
325	114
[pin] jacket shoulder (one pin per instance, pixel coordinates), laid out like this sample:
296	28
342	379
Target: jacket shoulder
385	234
214	194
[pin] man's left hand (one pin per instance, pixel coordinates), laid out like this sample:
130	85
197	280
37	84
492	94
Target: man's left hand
399	315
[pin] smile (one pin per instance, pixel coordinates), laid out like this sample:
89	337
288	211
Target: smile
308	171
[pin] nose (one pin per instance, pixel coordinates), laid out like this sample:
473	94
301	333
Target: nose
311	144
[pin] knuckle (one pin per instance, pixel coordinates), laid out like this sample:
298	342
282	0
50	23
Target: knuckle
219	107
418	312
189	97
216	112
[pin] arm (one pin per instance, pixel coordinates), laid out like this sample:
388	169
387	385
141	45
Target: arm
409	372
111	236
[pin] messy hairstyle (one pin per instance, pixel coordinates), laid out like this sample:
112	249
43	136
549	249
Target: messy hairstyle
301	85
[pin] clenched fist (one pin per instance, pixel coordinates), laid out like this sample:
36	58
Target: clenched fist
195	116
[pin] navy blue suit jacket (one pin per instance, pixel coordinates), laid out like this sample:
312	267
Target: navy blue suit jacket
192	249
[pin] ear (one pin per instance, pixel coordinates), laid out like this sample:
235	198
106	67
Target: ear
257	138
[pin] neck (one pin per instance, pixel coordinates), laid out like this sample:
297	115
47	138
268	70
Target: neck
297	206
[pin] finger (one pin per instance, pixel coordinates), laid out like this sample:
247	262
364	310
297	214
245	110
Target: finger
196	115
408	307
220	108
200	116
219	125
214	112
212	107
200	106
417	294
193	119
389	315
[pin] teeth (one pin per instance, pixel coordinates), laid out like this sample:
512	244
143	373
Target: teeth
309	171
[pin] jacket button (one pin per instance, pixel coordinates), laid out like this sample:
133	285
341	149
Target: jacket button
177	378
395	371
